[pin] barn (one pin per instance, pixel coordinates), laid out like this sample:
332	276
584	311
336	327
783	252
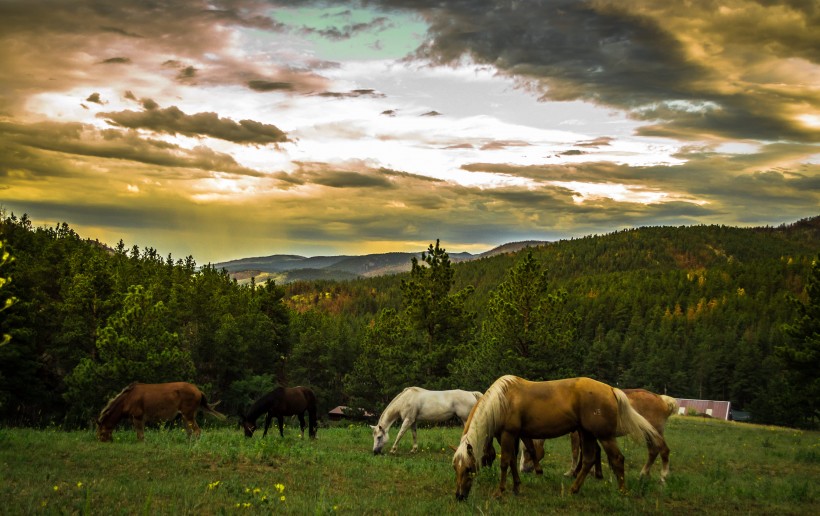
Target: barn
710	408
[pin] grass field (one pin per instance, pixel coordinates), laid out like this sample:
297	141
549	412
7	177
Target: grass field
716	467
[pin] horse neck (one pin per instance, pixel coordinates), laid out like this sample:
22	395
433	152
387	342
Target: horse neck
487	416
393	411
259	407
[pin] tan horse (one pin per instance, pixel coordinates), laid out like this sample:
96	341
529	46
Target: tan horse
143	402
514	408
656	408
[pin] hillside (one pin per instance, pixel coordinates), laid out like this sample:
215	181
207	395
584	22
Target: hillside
289	268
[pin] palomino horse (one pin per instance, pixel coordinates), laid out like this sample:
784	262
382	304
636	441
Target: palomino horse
417	404
281	402
154	402
656	408
514	408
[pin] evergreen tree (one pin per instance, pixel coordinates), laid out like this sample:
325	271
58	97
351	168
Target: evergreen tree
439	317
801	354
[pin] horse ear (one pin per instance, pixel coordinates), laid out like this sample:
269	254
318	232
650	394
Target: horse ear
453	447
373	427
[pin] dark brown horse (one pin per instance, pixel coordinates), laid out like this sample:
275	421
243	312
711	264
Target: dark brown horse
656	408
281	402
514	409
143	402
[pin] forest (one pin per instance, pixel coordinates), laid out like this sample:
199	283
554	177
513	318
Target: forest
709	312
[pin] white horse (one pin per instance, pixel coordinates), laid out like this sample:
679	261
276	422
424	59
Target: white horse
417	404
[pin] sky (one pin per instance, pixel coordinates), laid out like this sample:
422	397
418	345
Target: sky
240	128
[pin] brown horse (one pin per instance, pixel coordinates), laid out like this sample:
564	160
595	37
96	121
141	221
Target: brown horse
514	408
656	408
281	402
144	402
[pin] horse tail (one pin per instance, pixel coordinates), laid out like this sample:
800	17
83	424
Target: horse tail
671	404
313	422
631	423
203	402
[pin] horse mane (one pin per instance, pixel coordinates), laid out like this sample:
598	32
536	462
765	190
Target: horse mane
485	418
671	403
261	405
114	402
391	407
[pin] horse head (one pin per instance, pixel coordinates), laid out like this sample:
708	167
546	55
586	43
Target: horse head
247	425
104	432
464	464
380	438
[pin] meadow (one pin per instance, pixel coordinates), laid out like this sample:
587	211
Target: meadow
717	467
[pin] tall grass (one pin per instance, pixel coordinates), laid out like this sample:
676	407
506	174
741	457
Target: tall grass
717	467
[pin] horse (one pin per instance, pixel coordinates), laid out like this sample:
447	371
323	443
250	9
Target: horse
516	409
281	402
417	404
656	408
154	402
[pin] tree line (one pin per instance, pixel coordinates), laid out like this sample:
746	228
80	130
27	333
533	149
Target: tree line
708	312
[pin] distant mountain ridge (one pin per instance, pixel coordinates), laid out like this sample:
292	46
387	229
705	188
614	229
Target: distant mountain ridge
285	268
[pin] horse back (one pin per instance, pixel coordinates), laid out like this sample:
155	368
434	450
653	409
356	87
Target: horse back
650	405
162	401
544	410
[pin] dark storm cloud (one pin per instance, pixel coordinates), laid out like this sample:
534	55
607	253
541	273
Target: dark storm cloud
692	68
173	121
117	60
353	94
25	141
260	85
95	98
349	31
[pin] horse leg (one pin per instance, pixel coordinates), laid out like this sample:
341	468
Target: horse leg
575	442
587	457
529	448
616	461
281	420
405	424
599	471
139	426
663	450
302	425
508	456
415	440
268	418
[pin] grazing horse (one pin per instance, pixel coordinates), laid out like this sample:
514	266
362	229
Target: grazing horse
281	402
656	408
514	408
154	402
417	404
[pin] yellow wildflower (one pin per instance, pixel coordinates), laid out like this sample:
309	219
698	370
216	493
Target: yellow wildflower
256	490
56	488
282	498
79	484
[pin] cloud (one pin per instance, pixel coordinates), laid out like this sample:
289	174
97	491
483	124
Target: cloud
334	33
742	69
173	121
260	85
353	94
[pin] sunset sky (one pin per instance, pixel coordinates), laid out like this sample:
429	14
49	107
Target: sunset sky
238	128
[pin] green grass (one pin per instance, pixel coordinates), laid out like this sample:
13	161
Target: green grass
716	467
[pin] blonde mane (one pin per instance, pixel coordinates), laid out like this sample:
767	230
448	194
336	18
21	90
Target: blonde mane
114	402
485	419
